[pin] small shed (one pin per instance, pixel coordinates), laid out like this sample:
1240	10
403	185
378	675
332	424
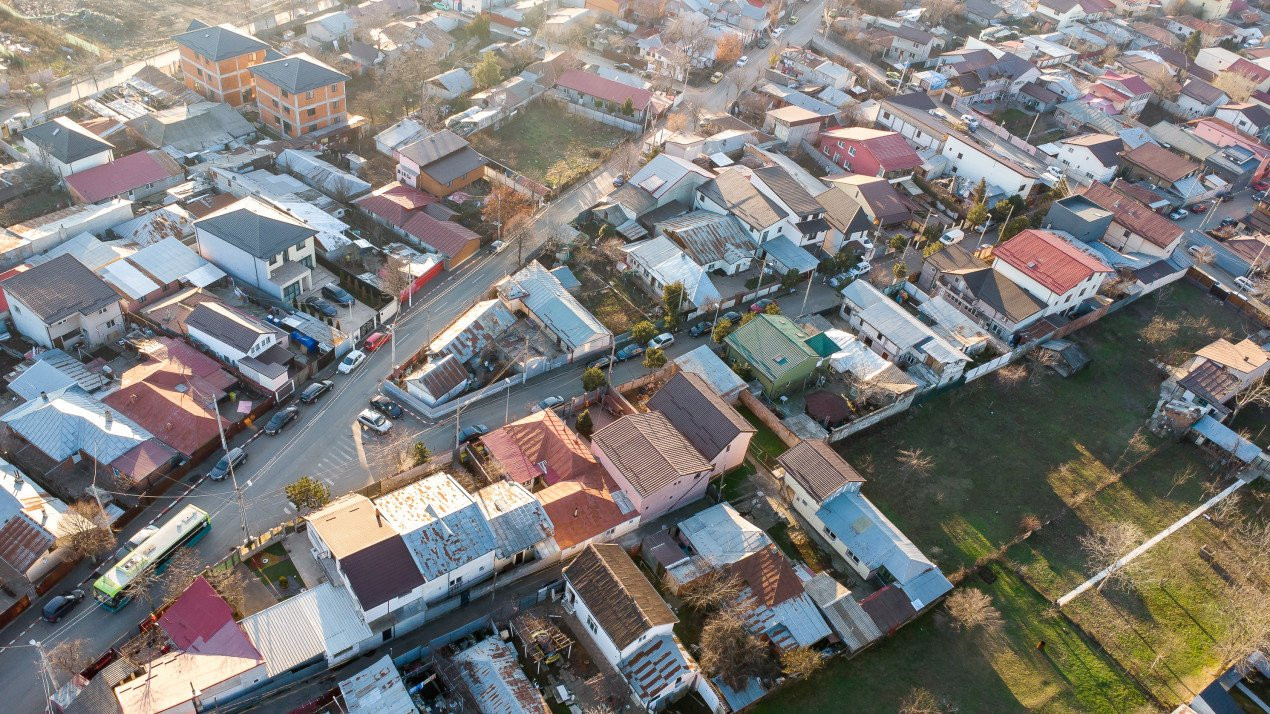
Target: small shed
1063	356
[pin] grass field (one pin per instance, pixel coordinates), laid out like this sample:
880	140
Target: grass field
765	445
549	145
1072	450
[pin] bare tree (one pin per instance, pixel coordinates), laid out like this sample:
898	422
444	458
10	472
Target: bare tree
1257	394
183	568
68	658
972	608
1104	547
711	592
512	210
1162	82
231	585
731	652
1236	85
627	158
923	701
1204	255
394	275
1248	627
936	11
86	531
801	662
915	461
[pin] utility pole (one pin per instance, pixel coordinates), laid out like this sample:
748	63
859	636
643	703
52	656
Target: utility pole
458	418
45	676
810	280
238	494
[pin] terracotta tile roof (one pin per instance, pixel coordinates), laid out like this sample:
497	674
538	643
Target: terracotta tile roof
818	468
1134	215
593	85
1161	162
699	413
771	578
395	202
649	452
542	446
580	513
123	175
620	598
1243	356
1048	259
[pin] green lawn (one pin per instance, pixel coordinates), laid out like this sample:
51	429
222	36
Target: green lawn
279	565
1076	450
766	445
549	145
975	671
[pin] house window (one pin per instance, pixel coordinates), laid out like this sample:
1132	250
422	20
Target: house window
590	623
308	95
851	151
311	112
111	323
286	94
886	115
335	87
335	105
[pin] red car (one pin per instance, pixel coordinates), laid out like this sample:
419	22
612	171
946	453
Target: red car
1199	207
1260	185
375	341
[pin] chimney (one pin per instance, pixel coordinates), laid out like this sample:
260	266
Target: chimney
45	397
110	419
575	513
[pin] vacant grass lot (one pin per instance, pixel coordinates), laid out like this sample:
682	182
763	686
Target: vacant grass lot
1073	450
549	145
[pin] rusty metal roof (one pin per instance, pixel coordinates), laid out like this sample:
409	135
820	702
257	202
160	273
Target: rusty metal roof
23	541
442	525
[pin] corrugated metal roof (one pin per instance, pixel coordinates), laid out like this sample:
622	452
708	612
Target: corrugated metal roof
669	264
474	330
657	668
896	324
168	260
772	344
40	377
72	421
873	538
709	237
703	362
649	452
128	279
441	524
321	621
492	674
544	296
516	517
721	536
378	689
23	541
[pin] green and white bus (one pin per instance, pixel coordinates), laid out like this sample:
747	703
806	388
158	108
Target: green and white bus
184	529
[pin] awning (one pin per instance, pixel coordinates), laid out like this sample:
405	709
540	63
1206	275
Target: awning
790	256
912	188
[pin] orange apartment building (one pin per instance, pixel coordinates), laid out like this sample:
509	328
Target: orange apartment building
217	61
299	95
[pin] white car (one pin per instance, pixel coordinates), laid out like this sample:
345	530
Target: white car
778	31
971	122
952	236
740	61
372	419
665	339
1246	285
351	361
524	32
861	269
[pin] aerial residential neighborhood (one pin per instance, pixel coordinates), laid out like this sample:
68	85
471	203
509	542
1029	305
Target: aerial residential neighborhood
684	356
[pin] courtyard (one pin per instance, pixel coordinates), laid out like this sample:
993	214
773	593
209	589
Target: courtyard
550	145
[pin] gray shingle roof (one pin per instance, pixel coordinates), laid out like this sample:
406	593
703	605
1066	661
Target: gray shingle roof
788	189
649	452
733	191
60	288
225	325
298	73
218	43
65	140
699	413
433	147
252	226
818	468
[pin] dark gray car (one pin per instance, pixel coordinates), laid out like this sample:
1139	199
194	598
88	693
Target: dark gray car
235	458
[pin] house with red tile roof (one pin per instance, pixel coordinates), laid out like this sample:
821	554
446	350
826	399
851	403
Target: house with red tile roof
134	177
404	210
590	90
1050	268
1135	228
871	152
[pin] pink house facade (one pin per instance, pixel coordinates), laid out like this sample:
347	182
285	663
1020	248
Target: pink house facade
657	468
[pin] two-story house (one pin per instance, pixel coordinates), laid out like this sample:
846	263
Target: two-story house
65	147
903	44
1091	157
871	152
714	428
1250	118
898	336
656	466
216	61
1135	228
61	303
255	348
1162	167
1050	268
793	199
811	68
1200	99
732	192
776	350
1004	176
300	95
440	163
915	117
958	277
629	624
261	246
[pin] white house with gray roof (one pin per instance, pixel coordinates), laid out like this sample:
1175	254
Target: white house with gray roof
536	292
260	245
255	348
893	333
61	303
66	147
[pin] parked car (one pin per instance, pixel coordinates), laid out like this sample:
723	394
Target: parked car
1246	285
386	406
236	457
731	316
701	328
315	390
548	403
630	351
375	341
1260	185
665	339
472	433
497	246
58	605
1259	196
971	122
280	419
337	295
600	363
351	361
952	236
322	306
839	281
779	31
763	41
524	32
861	269
1228	222
374	421
619	180
623	67
760	305
1179	214
1199	207
793	19
742	60
716	78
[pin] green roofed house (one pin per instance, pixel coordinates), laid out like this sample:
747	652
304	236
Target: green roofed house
776	350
